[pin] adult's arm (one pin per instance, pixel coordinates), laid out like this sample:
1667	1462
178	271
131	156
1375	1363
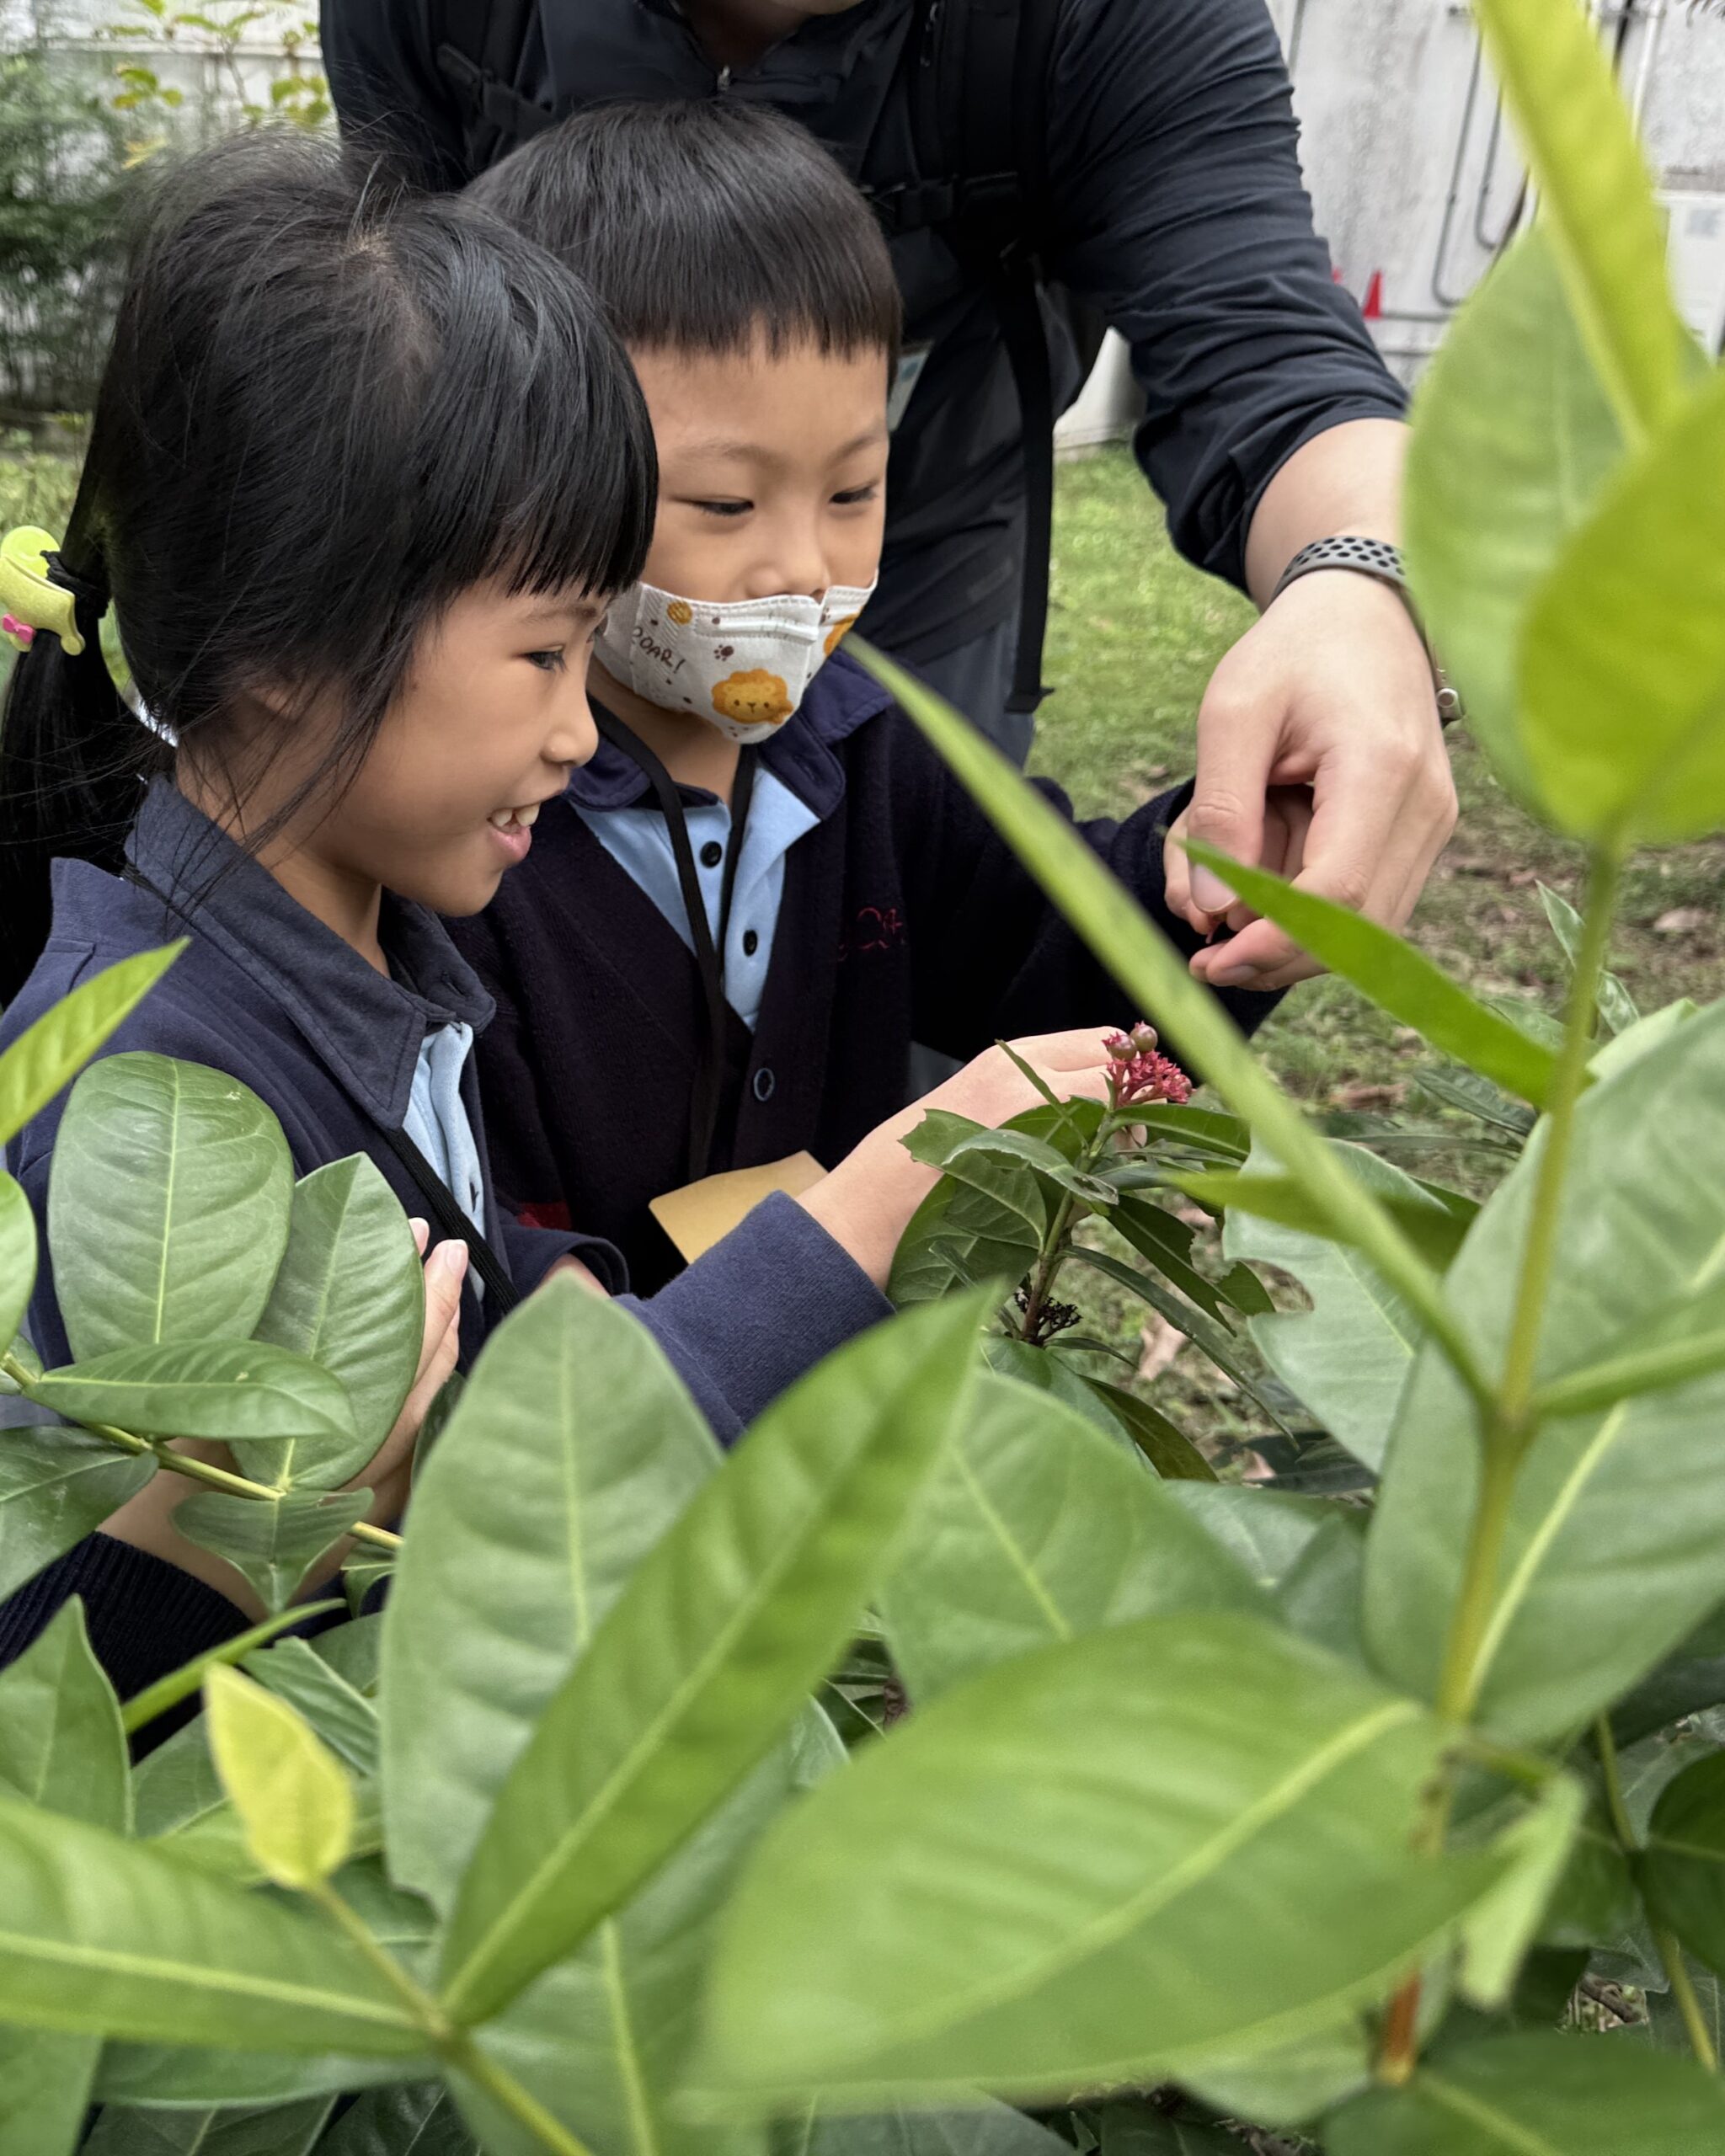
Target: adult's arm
1270	421
388	93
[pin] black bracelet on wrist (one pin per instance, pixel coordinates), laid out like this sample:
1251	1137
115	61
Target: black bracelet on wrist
1376	558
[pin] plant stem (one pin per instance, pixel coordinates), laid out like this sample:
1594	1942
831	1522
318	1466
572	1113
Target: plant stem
198	1471
1670	1949
525	2108
1541	1247
180	1683
1053	1256
1461	1676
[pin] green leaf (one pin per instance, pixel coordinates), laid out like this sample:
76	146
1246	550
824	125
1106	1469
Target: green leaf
416	2119
1289	2084
1613	1000
110	1937
284	2130
1234	1785
1265	1532
289	1790
1692	1677
1435	1231
349	1295
1132	2132
18	1257
574	1447
1540	2094
62	1746
272	1544
988	2130
1157	977
55	1487
720	1636
343	1717
45	2090
960	1235
1683	1871
1514	437
197	2076
1349	1356
1036	1529
49	1054
143	1707
1168	1449
219	1388
1397	977
1167	1243
1622	1508
1322	1595
167	1205
1499	1931
1597	195
1623	659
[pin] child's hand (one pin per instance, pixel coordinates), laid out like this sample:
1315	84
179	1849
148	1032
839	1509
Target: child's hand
867	1200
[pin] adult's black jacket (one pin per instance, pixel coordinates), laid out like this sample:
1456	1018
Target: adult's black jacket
1176	209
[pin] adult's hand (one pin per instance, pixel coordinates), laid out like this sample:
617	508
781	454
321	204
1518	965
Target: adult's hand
1320	757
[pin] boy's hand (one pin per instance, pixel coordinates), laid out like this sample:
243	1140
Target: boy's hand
867	1200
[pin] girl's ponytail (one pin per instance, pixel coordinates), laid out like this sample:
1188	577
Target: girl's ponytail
71	756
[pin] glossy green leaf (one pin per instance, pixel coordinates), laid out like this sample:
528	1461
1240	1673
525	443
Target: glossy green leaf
1683	1872
167	1205
272	1543
143	1707
1265	1532
219	1388
1597	196
1514	437
959	1236
1158	978
573	1448
57	1486
342	1715
62	1746
1613	1000
960	1906
283	2130
1157	1236
1396	977
718	1637
45	2090
49	1054
1622	1509
350	1296
1349	1355
110	1937
18	1257
1623	659
1540	2095
419	2118
291	1792
1036	1529
1167	1448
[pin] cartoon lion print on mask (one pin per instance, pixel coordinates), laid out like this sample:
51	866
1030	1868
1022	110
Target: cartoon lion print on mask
756	698
837	635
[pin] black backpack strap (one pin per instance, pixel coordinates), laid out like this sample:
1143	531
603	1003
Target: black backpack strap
478	48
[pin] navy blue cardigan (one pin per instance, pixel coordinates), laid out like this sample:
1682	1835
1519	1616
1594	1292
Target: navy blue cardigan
266	993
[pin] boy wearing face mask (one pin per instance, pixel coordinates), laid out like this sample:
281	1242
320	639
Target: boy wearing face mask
765	885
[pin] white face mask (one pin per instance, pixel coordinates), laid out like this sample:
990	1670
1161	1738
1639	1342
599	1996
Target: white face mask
744	665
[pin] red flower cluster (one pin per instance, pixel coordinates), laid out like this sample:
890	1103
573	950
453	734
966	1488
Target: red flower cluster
1138	1073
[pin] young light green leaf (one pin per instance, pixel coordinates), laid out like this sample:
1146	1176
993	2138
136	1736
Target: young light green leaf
1615	1005
1632	1493
272	1543
167	1205
1540	2094
350	1296
1514	437
1034	1528
290	1791
343	1716
1683	1871
62	1746
109	1937
882	1941
717	1638
1158	976
57	1486
1396	977
1597	194
1499	1930
49	1054
282	2130
574	1447
1623	659
18	1257
220	1389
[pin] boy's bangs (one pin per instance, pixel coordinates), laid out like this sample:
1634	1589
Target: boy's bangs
557	490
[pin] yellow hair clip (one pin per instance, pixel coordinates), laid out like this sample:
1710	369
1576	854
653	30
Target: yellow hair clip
29	598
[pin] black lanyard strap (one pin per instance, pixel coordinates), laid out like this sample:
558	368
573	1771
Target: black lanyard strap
709	953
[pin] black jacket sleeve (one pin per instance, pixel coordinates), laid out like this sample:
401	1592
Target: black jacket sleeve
992	959
388	90
1179	210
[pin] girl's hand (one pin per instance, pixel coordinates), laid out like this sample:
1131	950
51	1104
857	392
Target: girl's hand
867	1200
